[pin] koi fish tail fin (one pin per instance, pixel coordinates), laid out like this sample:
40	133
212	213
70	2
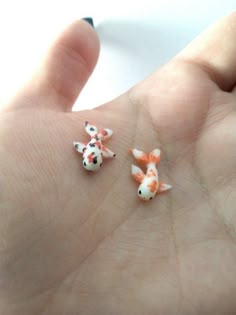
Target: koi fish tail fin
105	134
154	156
140	156
163	187
90	129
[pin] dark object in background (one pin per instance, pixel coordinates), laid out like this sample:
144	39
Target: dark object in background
89	20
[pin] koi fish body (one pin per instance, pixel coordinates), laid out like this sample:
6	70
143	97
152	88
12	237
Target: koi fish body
149	182
94	151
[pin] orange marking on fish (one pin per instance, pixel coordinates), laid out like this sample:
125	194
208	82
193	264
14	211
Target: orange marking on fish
153	158
90	158
143	159
153	186
103	132
151	173
104	148
138	177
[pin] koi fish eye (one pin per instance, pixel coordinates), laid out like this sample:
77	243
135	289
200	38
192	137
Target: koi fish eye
140	192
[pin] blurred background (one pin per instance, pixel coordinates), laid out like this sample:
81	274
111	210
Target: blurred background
137	37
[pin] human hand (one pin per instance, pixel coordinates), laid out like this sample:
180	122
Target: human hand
73	242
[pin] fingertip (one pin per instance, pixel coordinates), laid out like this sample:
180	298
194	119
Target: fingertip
69	64
83	40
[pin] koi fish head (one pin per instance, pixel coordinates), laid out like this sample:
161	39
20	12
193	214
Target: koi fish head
147	191
92	157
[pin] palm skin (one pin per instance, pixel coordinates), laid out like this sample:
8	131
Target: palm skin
73	242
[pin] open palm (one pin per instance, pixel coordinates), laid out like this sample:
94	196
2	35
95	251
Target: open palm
73	242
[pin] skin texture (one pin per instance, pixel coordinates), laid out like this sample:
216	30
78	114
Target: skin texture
73	242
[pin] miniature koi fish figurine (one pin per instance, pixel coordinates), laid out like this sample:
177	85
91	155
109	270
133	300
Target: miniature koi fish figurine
149	183
94	151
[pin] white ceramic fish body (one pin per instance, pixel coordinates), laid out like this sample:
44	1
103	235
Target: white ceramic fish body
94	151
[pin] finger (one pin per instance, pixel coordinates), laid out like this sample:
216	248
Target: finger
65	70
215	52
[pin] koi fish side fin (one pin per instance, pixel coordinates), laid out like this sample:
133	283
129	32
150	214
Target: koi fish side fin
79	146
106	153
90	129
137	173
140	156
105	134
164	187
154	156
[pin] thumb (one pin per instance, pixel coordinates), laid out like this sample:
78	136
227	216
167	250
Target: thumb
64	72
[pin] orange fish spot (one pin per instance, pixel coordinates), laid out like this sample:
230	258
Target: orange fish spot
151	173
103	132
143	159
153	186
90	158
138	177
153	158
104	148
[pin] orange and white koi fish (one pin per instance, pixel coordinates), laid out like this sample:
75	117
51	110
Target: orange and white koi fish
94	151
149	183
